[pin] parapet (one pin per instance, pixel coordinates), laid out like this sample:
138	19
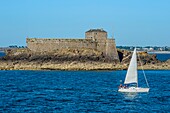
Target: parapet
54	40
47	45
96	30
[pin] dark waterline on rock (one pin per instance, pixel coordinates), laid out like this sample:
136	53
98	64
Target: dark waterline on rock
80	91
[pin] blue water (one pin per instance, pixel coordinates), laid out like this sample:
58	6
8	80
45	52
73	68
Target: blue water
163	57
2	54
80	91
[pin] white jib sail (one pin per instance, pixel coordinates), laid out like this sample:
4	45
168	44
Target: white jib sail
131	76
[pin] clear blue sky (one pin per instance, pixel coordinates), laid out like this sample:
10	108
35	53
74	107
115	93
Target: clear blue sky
133	22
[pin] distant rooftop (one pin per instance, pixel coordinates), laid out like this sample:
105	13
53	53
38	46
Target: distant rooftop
96	30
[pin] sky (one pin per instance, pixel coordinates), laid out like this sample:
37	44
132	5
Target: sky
130	22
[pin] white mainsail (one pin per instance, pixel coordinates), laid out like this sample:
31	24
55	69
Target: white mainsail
131	76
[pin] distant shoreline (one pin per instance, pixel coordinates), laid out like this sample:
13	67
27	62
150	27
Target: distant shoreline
159	52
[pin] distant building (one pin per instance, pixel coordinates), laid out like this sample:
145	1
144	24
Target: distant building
94	39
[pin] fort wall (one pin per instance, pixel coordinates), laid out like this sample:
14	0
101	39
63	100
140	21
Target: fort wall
50	45
111	51
94	39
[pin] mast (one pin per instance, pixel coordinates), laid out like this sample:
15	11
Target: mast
143	72
136	67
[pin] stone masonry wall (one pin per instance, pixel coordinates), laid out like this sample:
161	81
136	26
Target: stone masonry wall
49	45
95	36
100	36
111	51
94	39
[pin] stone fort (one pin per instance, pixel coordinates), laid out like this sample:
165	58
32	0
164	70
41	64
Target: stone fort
94	39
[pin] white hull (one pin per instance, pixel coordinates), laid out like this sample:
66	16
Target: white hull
133	89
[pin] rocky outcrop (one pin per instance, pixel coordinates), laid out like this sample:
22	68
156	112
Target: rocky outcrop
82	55
59	66
142	57
168	61
74	59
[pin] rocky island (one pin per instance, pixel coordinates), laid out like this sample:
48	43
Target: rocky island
95	52
72	59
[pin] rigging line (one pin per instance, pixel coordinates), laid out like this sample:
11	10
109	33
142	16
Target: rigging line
143	70
136	66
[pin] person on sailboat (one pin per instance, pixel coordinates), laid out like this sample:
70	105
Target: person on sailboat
120	86
123	86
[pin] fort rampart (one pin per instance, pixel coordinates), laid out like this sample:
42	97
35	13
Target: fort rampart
94	39
50	45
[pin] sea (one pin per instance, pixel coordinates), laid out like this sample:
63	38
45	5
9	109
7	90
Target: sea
81	91
162	56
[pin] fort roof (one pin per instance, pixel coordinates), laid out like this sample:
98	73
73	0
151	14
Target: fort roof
96	30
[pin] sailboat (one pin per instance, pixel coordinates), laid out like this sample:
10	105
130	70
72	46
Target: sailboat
132	77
